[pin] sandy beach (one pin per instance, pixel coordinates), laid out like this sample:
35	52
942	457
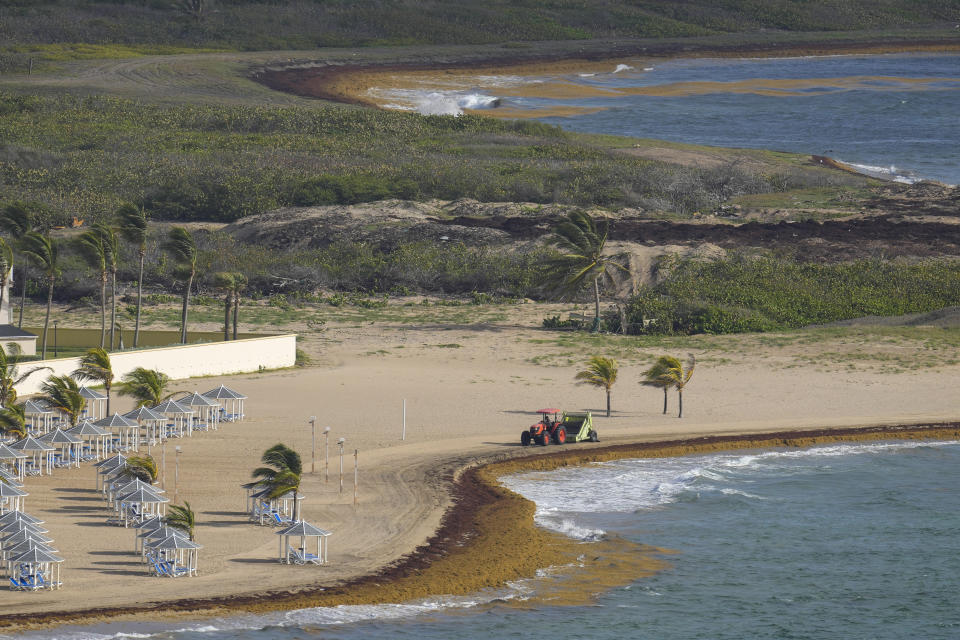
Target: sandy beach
470	389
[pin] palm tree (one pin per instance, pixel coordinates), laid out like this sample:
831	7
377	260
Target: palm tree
600	372
111	244
283	477
10	359
656	376
147	386
182	518
94	253
143	468
183	249
95	365
63	394
17	220
13	421
583	240
43	251
241	281
132	222
679	377
226	282
6	268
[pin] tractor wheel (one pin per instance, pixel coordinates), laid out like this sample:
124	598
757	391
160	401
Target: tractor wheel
560	435
543	439
525	438
593	436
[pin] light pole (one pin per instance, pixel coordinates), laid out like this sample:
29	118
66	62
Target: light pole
356	472
176	474
313	444
163	465
56	351
326	454
340	443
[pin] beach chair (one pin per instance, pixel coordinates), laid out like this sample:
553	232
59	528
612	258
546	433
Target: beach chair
295	556
175	572
279	519
17	585
309	557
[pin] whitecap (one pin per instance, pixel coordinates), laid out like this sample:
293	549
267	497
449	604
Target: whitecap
623	67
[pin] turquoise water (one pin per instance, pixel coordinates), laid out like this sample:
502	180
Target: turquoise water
840	541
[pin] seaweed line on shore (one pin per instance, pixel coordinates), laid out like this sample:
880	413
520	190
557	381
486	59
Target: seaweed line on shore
486	521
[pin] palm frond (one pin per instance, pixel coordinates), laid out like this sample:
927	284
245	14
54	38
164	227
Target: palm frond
132	223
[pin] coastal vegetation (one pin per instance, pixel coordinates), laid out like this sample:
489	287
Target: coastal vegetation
148	387
281	475
95	366
600	372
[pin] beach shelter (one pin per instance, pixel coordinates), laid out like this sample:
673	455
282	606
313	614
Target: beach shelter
146	528
151	424
300	555
20	549
127	431
108	467
37	569
37	458
39	416
206	411
138	504
122	485
11	498
273	511
96	406
154	535
181	553
13	460
70	447
12	516
94	440
231	402
251	488
179	418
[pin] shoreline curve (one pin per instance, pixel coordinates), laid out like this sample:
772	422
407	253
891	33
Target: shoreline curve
485	518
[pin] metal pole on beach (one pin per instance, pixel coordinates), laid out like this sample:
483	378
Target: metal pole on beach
313	444
356	471
340	442
163	465
176	473
403	431
326	454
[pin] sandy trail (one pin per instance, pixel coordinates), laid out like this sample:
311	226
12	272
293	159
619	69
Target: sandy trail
463	403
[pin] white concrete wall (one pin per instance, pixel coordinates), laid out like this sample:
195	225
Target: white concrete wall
181	361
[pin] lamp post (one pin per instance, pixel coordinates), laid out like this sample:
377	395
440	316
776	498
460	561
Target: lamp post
340	443
163	465
326	454
356	472
176	474
56	351
313	444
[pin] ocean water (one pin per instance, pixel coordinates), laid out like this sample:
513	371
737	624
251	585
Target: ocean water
894	116
839	541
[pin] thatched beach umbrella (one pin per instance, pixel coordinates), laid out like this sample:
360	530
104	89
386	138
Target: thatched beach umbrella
303	530
230	401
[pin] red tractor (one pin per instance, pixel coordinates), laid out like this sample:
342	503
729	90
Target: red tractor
549	428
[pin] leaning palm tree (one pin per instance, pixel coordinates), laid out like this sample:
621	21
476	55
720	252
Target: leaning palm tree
227	282
182	518
144	468
6	268
600	372
16	219
183	249
63	394
584	261
95	365
111	244
282	475
43	251
10	376
679	377
147	386
13	420
656	376
132	223
94	252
